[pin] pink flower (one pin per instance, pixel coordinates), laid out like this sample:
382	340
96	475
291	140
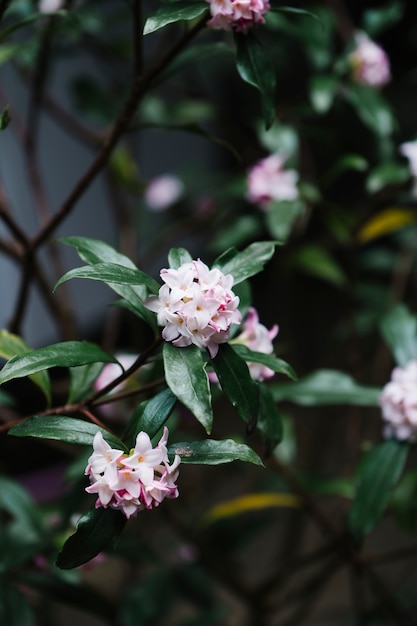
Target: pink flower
237	14
398	403
50	6
163	191
111	371
195	306
268	180
135	481
369	62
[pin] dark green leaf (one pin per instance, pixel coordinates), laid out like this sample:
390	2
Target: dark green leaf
327	387
269	420
403	502
295	11
18	504
281	217
65	354
5	118
150	416
237	384
399	329
255	68
178	256
378	475
96	531
386	174
202	53
250	261
94	251
110	273
172	12
377	20
186	376
28	20
12	345
210	452
8	51
318	262
82	379
63	428
372	108
270	360
322	92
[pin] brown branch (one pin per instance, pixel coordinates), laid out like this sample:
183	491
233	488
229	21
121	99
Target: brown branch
140	86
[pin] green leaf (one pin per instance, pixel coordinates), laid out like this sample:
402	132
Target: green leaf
323	89
202	53
12	345
237	384
295	11
270	360
243	265
186	377
378	475
172	12
93	251
28	20
403	502
386	174
64	428
327	387
150	416
269	421
19	505
65	354
372	108
8	51
377	20
82	379
399	329
5	118
210	452
281	216
318	262
96	531
255	68
178	256
110	273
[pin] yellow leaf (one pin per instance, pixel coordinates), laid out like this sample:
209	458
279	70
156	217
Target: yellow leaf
386	222
251	502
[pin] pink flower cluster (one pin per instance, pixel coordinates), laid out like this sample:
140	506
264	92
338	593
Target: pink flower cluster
237	14
196	306
399	403
409	150
268	181
369	62
259	339
135	481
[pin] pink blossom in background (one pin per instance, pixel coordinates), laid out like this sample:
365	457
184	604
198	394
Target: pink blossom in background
268	181
50	6
196	306
409	150
111	371
135	481
237	14
398	403
259	339
163	191
369	62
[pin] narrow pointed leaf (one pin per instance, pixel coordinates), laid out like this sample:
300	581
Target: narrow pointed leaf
210	452
96	530
65	354
150	416
186	377
270	360
327	387
63	428
12	345
250	261
111	273
269	421
93	251
380	472
399	329
237	384
172	12
255	68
